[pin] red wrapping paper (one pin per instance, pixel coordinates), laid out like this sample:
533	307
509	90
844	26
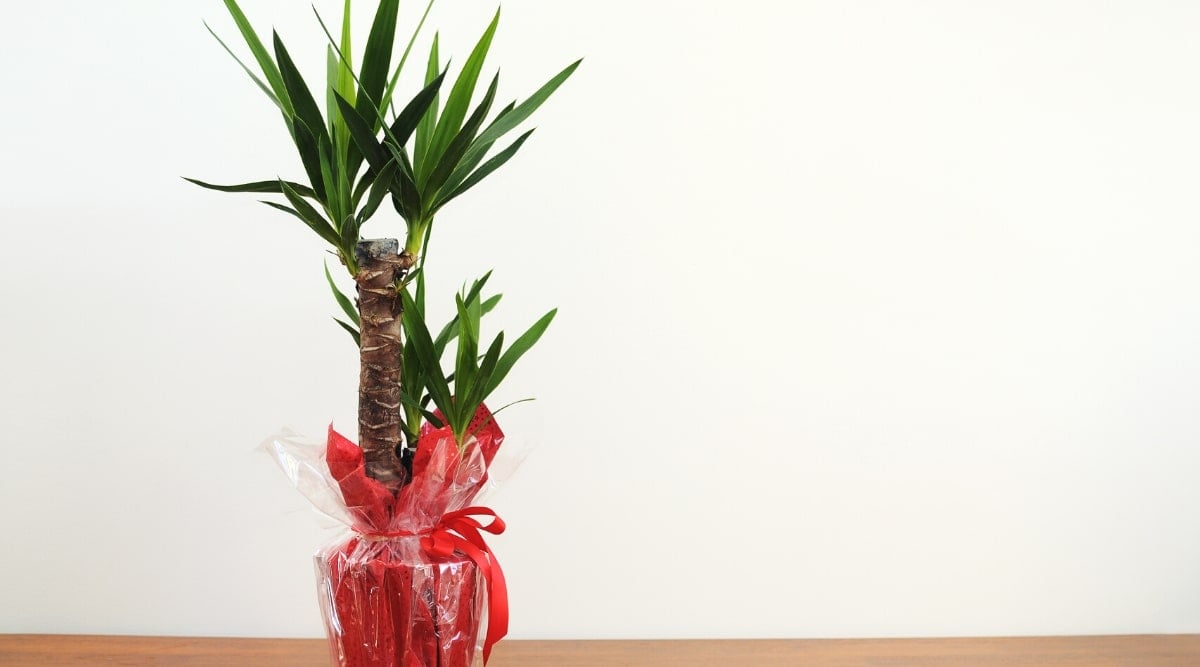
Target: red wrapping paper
391	595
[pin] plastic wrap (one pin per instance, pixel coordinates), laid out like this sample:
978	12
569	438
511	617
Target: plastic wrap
412	584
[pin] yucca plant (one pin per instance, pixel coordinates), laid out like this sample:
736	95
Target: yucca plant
361	151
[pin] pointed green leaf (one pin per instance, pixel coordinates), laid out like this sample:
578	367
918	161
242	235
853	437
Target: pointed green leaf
450	331
271	187
414	326
383	185
329	176
345	79
362	134
519	348
420	291
429	120
412	378
306	107
487	369
413	113
377	60
310	157
345	202
351	330
268	66
332	72
408	400
405	196
310	215
458	102
323	230
338	69
511	120
487	168
461	143
508	108
465	368
343	301
475	155
349	235
257	81
364	184
391	87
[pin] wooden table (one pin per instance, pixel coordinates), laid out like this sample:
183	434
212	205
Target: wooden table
1105	651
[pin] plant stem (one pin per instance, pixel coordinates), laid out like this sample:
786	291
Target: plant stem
381	267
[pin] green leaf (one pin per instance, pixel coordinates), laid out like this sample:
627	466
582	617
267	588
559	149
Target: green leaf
459	100
363	135
352	331
377	59
465	360
488	167
349	235
338	68
257	81
411	116
343	301
450	331
383	185
405	196
387	95
474	155
326	233
309	215
510	120
271	187
269	69
519	348
364	184
345	202
429	120
414	326
412	379
306	107
487	369
503	112
337	127
408	400
329	176
310	157
461	143
345	78
478	285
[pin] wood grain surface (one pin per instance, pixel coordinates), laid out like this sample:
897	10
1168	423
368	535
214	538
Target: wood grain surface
1100	651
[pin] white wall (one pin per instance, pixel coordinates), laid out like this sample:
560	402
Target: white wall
877	318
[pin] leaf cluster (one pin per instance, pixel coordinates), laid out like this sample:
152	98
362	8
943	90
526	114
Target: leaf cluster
476	374
430	152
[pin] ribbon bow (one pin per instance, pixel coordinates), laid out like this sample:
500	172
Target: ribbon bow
459	531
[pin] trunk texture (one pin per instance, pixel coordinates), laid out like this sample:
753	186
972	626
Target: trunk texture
381	267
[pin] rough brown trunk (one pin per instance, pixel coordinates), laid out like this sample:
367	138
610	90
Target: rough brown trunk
380	435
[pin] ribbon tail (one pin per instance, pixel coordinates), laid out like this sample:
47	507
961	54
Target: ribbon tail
460	531
497	610
497	591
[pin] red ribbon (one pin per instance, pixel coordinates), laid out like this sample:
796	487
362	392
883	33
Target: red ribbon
459	531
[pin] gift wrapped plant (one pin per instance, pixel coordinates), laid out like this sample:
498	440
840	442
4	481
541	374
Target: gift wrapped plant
413	583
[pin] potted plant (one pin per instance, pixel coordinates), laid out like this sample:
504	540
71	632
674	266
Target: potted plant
414	583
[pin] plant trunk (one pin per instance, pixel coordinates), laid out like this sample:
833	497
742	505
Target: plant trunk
381	268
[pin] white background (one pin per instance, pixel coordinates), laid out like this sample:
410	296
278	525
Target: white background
877	318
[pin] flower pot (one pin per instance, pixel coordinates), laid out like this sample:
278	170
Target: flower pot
387	603
413	584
